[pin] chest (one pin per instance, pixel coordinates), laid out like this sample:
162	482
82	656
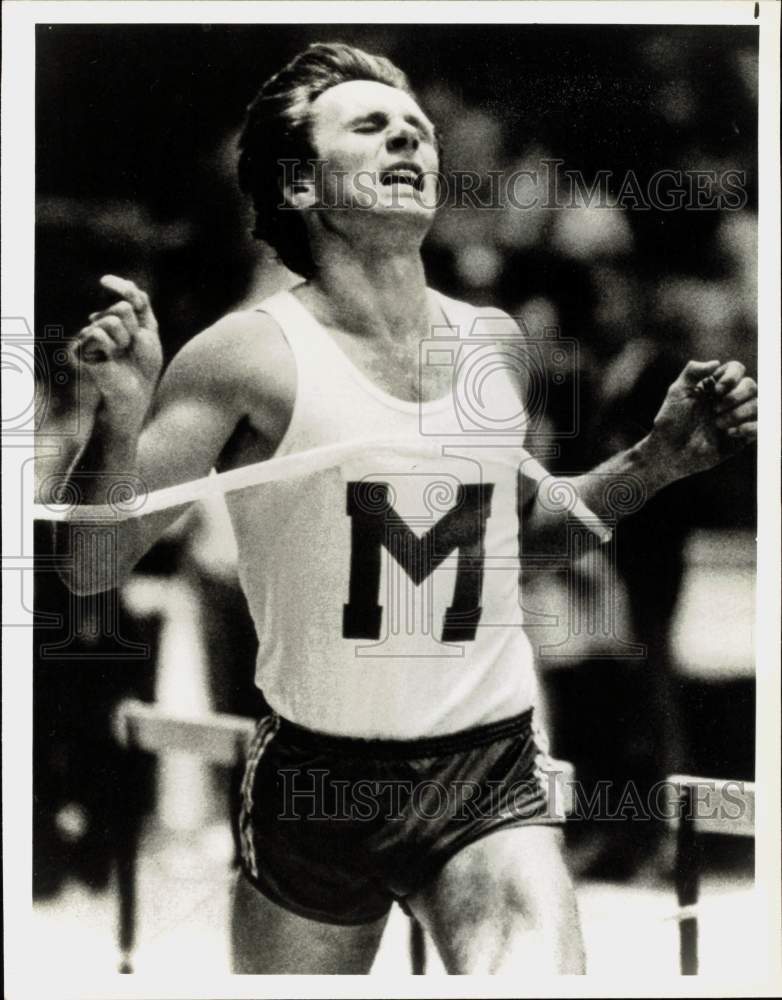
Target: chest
408	370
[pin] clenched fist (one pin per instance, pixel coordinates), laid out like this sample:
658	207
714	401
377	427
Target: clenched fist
708	414
120	353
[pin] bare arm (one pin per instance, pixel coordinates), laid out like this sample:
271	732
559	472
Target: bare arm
693	431
146	435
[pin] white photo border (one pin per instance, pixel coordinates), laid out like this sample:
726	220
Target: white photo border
27	973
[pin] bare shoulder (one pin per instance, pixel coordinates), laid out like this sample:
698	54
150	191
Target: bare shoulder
241	355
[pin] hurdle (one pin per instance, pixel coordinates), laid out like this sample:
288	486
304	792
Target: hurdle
702	806
140	727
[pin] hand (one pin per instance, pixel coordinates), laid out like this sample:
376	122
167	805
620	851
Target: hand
121	354
696	430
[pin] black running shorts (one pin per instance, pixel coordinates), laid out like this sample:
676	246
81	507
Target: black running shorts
336	829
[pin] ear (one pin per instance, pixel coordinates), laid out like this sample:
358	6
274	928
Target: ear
300	193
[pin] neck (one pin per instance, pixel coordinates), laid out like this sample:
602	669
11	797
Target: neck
381	295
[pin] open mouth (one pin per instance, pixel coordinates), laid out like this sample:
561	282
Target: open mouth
401	177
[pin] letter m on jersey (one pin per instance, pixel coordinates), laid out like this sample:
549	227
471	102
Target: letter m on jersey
375	524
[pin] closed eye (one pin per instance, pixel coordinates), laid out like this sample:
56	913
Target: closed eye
372	123
376	122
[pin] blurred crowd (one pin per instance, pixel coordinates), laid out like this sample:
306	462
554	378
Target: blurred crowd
634	288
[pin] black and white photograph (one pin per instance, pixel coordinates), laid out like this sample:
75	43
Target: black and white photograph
391	499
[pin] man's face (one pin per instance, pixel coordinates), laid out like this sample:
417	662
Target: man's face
378	150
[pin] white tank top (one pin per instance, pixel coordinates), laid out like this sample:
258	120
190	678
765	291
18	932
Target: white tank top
385	590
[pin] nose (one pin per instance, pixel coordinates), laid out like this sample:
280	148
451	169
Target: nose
402	137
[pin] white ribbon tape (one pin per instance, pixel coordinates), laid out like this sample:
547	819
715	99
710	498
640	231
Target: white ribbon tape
287	467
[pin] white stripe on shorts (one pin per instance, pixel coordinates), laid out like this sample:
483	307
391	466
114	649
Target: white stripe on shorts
545	773
265	732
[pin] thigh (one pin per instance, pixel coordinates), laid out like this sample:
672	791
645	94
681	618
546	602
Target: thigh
505	903
267	939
